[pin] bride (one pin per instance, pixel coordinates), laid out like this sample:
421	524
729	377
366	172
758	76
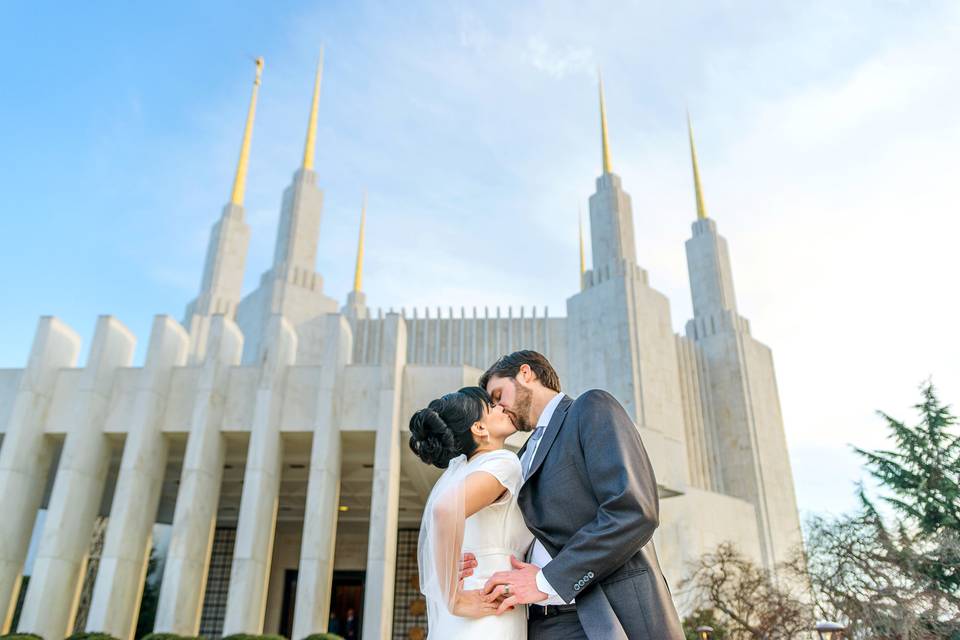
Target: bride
472	507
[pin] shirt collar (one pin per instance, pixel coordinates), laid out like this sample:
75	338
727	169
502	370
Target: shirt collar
549	409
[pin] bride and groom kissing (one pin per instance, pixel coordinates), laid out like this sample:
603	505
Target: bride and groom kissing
552	542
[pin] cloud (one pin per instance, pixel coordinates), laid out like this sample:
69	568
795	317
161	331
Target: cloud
558	62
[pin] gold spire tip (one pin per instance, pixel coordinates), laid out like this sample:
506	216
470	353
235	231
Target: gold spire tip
240	180
308	148
698	189
358	273
607	165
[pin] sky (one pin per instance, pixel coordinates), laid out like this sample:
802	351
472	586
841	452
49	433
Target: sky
826	132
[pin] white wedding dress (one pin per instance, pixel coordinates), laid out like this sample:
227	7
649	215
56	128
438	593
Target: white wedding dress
493	534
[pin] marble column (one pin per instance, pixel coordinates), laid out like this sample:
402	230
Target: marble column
315	576
51	602
126	549
385	504
256	525
195	514
25	455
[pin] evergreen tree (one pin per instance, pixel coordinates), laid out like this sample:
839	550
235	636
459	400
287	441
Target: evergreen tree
898	578
923	472
921	479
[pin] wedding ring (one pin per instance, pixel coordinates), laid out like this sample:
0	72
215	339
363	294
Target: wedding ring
506	590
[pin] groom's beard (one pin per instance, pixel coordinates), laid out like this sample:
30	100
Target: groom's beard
521	408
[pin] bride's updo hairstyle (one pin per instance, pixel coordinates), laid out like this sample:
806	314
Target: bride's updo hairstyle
441	432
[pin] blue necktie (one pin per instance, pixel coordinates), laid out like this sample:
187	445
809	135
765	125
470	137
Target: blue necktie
531	450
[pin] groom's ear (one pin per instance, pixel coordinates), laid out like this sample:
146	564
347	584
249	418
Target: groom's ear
526	374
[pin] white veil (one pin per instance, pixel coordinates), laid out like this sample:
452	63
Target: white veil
440	546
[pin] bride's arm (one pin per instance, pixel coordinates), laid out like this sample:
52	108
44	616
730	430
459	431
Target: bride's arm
480	489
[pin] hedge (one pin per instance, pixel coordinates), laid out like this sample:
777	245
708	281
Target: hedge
170	636
91	635
21	636
251	636
323	636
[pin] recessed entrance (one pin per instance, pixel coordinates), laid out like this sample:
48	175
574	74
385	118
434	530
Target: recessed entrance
347	598
346	603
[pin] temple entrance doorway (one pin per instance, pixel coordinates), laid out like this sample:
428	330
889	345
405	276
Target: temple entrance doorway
346	599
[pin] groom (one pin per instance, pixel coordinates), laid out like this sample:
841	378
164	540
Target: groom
590	498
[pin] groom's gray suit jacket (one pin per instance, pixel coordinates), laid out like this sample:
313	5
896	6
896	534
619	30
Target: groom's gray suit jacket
591	499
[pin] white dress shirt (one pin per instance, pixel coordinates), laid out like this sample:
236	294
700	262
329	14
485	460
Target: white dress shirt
540	556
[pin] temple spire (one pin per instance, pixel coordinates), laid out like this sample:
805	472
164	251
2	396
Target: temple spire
240	181
358	273
308	148
583	264
607	166
701	207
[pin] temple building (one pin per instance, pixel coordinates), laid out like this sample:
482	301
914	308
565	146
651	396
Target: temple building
266	434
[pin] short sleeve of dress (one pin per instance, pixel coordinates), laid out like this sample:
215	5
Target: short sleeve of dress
504	466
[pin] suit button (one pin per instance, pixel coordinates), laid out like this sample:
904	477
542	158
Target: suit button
576	587
590	574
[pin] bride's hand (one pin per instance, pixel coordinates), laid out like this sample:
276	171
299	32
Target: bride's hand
471	604
467	564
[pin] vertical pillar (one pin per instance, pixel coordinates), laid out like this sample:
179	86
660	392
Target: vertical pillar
123	561
315	576
25	456
385	504
256	525
195	515
51	601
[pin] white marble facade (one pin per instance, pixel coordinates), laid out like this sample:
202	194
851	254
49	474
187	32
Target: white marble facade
284	415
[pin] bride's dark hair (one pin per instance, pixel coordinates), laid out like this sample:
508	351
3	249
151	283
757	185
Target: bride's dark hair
441	432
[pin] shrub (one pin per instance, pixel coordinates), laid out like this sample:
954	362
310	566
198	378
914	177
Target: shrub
251	636
91	635
323	636
170	636
21	636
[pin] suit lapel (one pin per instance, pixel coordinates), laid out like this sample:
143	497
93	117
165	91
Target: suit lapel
553	428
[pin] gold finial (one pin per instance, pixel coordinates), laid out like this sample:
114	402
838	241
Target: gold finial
607	166
583	264
312	124
701	207
240	181
358	274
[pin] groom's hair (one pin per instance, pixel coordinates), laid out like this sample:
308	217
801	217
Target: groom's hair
509	366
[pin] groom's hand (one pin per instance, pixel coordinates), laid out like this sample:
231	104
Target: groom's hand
467	564
523	586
